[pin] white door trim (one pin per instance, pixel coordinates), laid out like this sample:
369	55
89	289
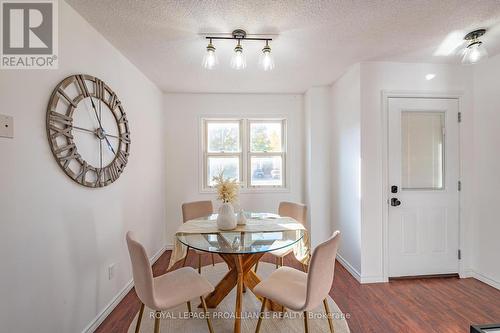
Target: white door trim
386	94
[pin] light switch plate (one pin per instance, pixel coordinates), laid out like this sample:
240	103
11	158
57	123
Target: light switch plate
6	126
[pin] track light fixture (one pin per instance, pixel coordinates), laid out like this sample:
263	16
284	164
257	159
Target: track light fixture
238	60
475	51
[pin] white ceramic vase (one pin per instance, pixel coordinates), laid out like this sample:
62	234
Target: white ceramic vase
226	220
242	219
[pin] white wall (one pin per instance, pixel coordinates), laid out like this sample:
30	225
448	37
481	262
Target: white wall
375	78
57	238
346	166
183	113
486	246
318	158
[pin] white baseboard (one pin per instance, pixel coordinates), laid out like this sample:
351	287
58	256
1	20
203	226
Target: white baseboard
373	279
482	277
354	272
357	275
94	324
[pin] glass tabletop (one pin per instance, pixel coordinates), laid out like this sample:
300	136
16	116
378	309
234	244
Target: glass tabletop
242	242
248	215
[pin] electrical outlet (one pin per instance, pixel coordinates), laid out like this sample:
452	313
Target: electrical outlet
6	126
111	271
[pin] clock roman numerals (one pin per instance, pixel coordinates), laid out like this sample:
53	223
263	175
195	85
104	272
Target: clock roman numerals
65	159
83	172
114	102
125	138
61	92
60	131
123	119
99	89
113	171
80	81
60	125
55	117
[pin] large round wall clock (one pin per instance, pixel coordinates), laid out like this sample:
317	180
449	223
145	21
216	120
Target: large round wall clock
88	130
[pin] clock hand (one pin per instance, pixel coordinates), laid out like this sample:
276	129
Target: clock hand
95	111
100	158
100	125
109	144
92	132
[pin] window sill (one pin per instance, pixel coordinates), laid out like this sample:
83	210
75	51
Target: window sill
251	190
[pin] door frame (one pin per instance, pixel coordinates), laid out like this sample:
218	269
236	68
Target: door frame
386	94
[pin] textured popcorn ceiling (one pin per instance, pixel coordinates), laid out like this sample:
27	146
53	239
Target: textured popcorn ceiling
317	40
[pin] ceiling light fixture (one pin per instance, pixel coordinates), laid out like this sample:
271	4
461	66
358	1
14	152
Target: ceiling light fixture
238	60
266	59
475	51
210	58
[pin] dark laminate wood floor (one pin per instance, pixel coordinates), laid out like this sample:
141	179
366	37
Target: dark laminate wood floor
420	305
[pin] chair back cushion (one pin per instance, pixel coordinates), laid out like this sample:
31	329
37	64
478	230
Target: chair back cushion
294	210
321	270
141	271
196	209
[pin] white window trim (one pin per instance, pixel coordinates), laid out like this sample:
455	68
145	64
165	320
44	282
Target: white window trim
245	154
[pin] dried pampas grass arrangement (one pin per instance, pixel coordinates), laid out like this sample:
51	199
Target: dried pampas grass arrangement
227	189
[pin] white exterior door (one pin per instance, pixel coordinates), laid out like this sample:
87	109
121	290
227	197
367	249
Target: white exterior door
423	163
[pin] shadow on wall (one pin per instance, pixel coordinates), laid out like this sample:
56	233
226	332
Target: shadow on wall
80	282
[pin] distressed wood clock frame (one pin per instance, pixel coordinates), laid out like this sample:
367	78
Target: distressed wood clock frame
60	128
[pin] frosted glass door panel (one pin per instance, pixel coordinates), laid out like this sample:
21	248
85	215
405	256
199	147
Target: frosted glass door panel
422	149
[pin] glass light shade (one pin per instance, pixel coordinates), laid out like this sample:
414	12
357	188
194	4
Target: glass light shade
238	60
210	58
474	53
266	59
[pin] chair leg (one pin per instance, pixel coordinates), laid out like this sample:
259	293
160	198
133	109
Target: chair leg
189	309
256	267
199	263
277	262
306	326
139	319
282	313
327	310
281	262
261	315
185	258
213	260
157	322
207	314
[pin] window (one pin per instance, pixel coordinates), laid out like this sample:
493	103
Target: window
253	151
222	149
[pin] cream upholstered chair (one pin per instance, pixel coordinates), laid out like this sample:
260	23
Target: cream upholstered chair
166	291
194	210
296	211
299	291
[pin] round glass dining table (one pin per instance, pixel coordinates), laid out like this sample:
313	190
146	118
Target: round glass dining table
241	250
242	242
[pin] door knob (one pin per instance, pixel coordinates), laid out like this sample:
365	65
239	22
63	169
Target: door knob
395	202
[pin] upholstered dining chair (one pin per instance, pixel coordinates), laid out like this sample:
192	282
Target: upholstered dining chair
300	291
296	211
194	210
165	291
